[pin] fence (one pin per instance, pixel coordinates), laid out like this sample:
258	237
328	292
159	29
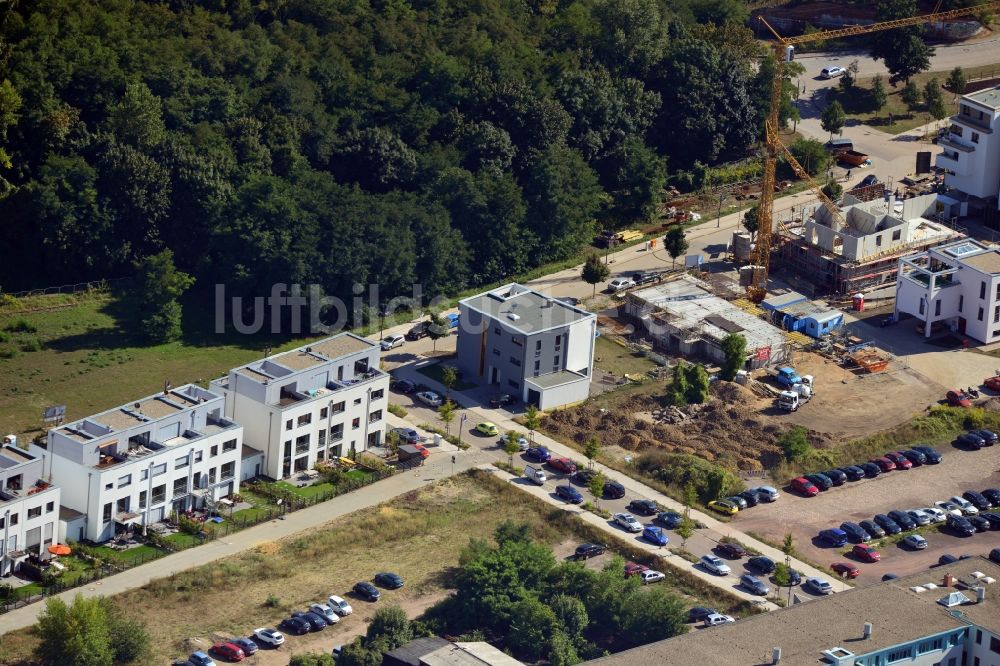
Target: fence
96	285
180	541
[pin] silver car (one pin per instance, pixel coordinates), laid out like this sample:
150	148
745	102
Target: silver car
915	541
818	585
715	565
919	516
628	522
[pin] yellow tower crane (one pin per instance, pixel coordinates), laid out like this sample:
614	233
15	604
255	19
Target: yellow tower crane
783	49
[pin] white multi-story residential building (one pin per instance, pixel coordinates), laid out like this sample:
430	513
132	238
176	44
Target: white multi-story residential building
29	509
135	464
955	285
318	402
971	147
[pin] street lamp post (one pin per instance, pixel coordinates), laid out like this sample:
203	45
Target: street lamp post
381	321
461	428
722	197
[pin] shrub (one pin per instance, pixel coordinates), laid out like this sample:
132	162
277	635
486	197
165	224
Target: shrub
794	444
710	481
21	326
8	352
396	410
272	601
31	345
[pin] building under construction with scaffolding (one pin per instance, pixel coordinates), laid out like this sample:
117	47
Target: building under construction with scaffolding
860	251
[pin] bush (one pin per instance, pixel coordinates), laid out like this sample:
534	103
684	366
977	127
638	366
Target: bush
272	601
21	326
794	444
31	345
710	481
8	352
397	410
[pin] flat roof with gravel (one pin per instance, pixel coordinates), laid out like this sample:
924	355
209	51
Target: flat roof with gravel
987	97
525	310
987	262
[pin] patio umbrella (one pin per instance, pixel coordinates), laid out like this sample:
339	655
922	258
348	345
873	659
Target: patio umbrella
60	549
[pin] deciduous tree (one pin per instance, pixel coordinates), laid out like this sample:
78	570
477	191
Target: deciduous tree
595	271
159	285
879	97
591	450
734	347
956	81
675	243
833	118
903	50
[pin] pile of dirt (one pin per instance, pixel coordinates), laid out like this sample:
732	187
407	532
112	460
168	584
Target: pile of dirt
730	427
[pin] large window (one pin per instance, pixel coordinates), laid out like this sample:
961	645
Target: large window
375	416
124	480
159	494
995	644
181	462
160	469
229	445
338	408
228	470
180	486
377	395
305	419
106	515
34	512
302	444
142	499
337	432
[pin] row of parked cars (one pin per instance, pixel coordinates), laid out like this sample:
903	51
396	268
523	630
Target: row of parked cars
811	485
758	566
744	500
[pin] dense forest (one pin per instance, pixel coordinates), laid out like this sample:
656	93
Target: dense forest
451	143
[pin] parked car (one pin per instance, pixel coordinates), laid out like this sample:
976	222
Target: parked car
761	564
818	585
634	569
871	470
627	522
988	436
296	626
670	519
919	517
970	440
965	505
845	570
794	578
754	585
339	605
833	537
855	533
503	400
936	514
716	619
199	658
731	549
713	564
821	481
804	486
538	454
750	497
738	501
651	576
961	525
564	465
884	464
391	342
724	506
958	399
407	435
866	553
430	398
388	580
948	558
587	550
246	644
838	477
873	528
915	457
366	591
932	456
655	535
614	490
993	518
832	72
901	461
853	472
228	651
699	613
977	500
949	508
980	523
326	612
621	283
766	493
403	386
643	507
268	636
888	524
993	495
487	428
315	622
569	494
583	476
903	519
995	555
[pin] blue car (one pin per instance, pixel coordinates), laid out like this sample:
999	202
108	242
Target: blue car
569	494
538	454
655	535
670	519
834	537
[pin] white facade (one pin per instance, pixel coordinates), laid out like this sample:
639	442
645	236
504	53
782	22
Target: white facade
983	647
134	465
317	402
971	148
956	285
29	509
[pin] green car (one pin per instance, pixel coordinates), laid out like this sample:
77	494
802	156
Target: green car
487	428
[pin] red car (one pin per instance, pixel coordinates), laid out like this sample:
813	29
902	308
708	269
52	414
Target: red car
228	651
733	551
883	463
958	399
899	459
865	553
845	569
805	486
564	465
634	568
993	383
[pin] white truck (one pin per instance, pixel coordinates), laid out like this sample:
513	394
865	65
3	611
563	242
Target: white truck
535	474
789	400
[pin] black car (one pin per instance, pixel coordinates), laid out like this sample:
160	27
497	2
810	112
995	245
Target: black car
418	331
367	591
995	555
889	576
316	621
403	386
933	457
794	578
670	519
764	565
867	181
915	457
981	524
873	528
614	490
993	518
584	475
569	494
903	519
993	495
871	470
586	550
750	497
699	613
960	525
853	472
970	440
977	500
643	507
389	581
855	533
821	481
947	558
295	625
988	436
738	501
504	400
888	524
838	477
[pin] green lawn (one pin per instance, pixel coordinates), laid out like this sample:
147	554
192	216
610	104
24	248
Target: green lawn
433	370
130	557
609	356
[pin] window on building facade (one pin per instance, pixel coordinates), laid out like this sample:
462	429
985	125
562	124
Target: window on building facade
124	480
50	507
355	423
897	234
228	470
288	424
181	462
198	455
878	241
357	401
180	486
214	451
338	408
558	341
305	419
555	360
937	308
982	289
517	341
288	449
496	352
143	475
323	412
961	302
899	655
229	445
211	475
109	485
142	499
13	519
980	316
515	362
538	346
514	385
377	395
337	433
995	644
301	444
496	329
920	307
975	137
34	512
106	515
538	365
160	469
375	416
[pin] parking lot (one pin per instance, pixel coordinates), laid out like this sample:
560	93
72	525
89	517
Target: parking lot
960	470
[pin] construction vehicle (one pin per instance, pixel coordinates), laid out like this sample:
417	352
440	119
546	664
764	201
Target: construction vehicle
853	157
608	238
754	276
789	400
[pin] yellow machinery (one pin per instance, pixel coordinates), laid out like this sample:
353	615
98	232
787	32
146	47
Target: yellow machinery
783	50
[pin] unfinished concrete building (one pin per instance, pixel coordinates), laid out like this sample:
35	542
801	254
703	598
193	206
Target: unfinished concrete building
863	254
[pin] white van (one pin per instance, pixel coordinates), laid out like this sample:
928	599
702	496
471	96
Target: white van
832	72
535	474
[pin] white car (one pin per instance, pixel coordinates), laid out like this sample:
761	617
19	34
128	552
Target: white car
766	493
818	585
936	514
267	636
915	541
522	442
618	284
651	577
919	517
949	507
715	565
718	618
326	612
391	342
832	72
430	398
965	505
339	605
628	521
